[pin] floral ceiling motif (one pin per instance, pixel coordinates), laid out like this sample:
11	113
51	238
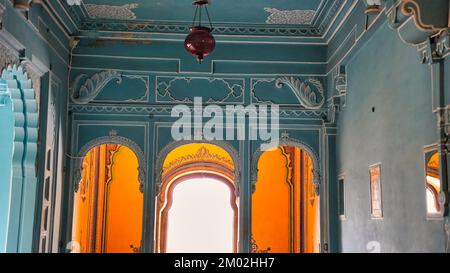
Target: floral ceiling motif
123	12
290	17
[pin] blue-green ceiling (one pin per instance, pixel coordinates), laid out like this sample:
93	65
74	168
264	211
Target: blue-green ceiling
149	37
249	18
225	11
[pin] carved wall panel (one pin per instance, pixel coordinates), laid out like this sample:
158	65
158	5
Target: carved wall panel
309	93
212	90
110	86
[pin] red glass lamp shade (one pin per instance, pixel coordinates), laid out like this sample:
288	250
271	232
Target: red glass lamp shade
200	42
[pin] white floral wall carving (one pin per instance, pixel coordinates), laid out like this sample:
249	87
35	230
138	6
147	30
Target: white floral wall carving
290	17
123	12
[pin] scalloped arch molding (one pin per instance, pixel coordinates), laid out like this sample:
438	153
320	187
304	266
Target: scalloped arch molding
18	104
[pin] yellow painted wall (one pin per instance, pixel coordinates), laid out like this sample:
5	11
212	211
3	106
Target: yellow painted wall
271	204
124	204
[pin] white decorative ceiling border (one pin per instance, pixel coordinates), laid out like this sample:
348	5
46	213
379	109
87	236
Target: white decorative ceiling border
122	12
289	17
179	28
317	27
143	26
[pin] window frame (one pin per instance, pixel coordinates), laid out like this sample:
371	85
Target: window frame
163	200
372	215
428	153
342	198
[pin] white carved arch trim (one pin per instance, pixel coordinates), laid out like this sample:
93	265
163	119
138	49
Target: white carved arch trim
175	144
112	139
18	88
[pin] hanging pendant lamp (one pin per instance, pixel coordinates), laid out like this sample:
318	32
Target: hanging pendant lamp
200	42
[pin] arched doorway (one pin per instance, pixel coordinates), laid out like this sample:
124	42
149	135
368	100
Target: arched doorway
285	203
197	204
108	205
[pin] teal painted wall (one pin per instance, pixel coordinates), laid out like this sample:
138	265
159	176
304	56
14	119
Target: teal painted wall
382	72
387	75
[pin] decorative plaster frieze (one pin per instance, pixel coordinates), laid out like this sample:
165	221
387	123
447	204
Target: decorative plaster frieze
85	89
289	17
310	92
123	12
166	111
219	29
119	109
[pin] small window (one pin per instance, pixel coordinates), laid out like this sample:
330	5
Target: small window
341	201
432	184
376	201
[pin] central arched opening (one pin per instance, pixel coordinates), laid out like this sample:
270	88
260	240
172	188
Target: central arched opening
202	207
197	206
